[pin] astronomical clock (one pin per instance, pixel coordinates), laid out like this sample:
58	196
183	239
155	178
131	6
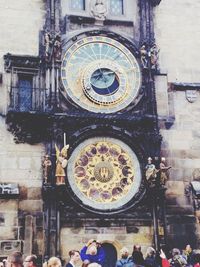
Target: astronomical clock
92	87
102	76
104	174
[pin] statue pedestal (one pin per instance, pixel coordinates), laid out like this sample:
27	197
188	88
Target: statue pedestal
99	22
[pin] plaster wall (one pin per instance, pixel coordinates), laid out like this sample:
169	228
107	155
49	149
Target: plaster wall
20	164
178	36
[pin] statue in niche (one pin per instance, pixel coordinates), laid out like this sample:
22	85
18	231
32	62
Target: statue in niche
61	164
151	173
144	56
154	57
48	46
57	48
52	47
163	172
99	9
47	165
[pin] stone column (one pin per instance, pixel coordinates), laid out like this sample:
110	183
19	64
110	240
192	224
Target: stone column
28	236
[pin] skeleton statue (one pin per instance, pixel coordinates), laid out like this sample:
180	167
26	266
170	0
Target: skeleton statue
154	57
144	56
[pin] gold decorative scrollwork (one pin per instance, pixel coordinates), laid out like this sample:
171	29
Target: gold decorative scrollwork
104	172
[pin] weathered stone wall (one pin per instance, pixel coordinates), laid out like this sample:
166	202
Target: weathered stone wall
178	36
118	236
20	164
126	24
21	23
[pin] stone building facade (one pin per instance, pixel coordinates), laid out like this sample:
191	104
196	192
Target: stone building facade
160	120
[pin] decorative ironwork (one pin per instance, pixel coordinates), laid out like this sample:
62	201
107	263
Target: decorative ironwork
36	101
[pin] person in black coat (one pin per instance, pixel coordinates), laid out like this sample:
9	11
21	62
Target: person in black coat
74	258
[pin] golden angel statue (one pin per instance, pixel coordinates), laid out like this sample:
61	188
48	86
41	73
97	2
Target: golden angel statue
61	164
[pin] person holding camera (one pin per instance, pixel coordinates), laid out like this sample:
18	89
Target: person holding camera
92	252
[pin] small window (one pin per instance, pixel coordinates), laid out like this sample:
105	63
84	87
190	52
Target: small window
116	7
78	4
25	84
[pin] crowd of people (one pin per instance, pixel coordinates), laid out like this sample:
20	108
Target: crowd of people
93	255
153	258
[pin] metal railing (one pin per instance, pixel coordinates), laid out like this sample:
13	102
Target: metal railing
34	100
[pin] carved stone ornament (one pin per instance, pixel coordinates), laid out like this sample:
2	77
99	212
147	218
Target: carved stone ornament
8	190
155	2
52	47
99	9
18	61
8	246
191	95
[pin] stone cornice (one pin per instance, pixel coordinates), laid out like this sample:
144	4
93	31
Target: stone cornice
155	2
21	61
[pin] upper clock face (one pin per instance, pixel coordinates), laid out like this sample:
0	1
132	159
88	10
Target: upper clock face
104	173
100	74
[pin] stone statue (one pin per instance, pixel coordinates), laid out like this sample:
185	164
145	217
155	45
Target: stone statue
47	165
151	173
57	48
99	9
48	46
163	172
144	56
52	47
61	164
154	57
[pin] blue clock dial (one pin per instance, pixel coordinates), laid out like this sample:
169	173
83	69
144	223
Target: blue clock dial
104	81
100	74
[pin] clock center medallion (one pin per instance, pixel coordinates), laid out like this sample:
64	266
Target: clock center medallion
103	172
101	80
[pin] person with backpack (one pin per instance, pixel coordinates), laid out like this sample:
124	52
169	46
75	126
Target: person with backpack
189	255
150	259
177	259
137	256
125	261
